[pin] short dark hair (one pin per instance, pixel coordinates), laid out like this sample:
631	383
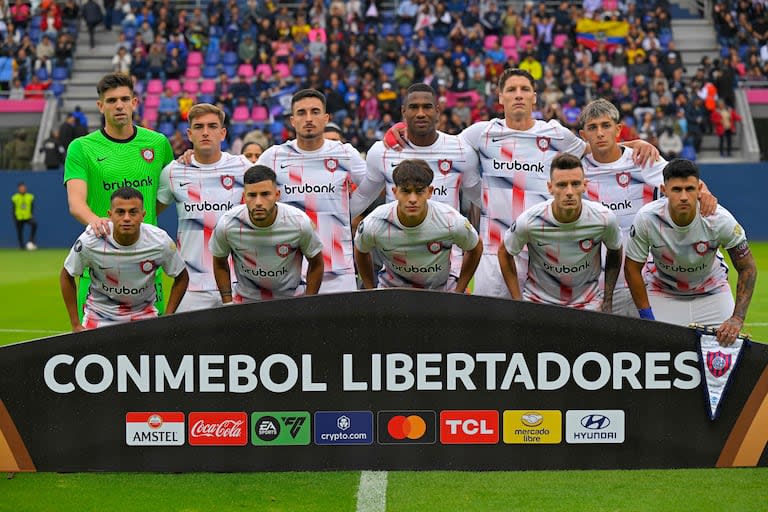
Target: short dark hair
113	81
127	193
307	93
515	72
564	161
680	168
413	172
420	87
259	173
250	143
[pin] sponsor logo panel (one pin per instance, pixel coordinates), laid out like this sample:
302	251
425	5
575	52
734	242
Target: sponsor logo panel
469	427
526	426
406	427
343	427
280	428
218	429
154	428
604	426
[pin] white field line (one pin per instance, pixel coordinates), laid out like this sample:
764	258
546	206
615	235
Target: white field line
372	492
32	330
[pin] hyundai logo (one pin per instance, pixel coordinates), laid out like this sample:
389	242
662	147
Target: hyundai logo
595	422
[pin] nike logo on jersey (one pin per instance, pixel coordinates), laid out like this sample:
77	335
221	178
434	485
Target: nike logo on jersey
658	246
394	164
184	183
101	158
542	244
283	166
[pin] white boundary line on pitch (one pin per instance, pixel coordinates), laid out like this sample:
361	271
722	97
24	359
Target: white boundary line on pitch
757	324
372	492
32	330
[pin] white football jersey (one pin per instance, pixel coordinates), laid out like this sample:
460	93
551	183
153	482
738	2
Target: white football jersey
122	277
202	193
454	164
623	187
267	260
515	170
318	183
685	258
564	258
419	256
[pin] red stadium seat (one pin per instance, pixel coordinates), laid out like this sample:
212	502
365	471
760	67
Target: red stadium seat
192	73
150	116
618	81
174	85
191	87
155	86
259	114
559	40
263	69
524	40
195	59
151	101
240	114
282	70
208	86
245	70
508	41
490	41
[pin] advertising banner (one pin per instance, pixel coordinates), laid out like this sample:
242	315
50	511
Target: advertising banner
384	379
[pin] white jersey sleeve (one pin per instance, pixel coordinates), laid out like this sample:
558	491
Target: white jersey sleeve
374	182
164	194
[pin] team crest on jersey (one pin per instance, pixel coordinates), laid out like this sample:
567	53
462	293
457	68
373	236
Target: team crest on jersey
283	250
78	246
331	164
718	363
147	266
542	143
623	179
444	166
701	248
228	181
632	231
586	245
148	154
434	247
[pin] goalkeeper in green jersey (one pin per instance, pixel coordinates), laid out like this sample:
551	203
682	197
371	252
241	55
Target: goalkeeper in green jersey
118	155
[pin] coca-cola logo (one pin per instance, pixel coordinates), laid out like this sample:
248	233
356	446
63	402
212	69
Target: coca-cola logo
218	428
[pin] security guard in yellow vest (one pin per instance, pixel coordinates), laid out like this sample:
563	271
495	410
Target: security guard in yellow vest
23	204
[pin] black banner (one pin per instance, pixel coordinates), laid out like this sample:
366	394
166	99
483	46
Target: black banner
387	379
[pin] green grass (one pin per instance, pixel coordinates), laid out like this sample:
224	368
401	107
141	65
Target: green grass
32	308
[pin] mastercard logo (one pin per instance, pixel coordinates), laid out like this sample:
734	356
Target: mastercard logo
411	427
406	427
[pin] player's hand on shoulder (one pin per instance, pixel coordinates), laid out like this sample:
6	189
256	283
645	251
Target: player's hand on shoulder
644	153
708	203
100	227
186	157
396	136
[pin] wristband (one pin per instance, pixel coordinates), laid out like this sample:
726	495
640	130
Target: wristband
646	313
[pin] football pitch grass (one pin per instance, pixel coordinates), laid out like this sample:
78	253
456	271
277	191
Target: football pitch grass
32	308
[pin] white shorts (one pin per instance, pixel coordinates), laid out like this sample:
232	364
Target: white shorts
94	321
489	281
196	300
338	283
708	310
623	304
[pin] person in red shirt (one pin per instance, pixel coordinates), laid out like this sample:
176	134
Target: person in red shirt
35	88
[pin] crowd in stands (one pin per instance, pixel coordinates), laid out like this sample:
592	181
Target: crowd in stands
249	56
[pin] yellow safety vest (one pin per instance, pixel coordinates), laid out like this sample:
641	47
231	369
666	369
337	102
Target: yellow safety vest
22	205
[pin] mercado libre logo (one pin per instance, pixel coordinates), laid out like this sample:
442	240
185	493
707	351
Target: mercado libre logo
406	427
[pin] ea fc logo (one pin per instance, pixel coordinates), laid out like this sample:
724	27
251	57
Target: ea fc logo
331	164
701	248
148	154
444	166
147	266
434	247
283	250
228	181
586	245
542	143
623	179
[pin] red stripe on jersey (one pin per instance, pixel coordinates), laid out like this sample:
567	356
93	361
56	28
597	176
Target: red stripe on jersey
666	257
250	260
193	190
399	258
518	195
682	285
494	233
551	255
90	323
648	193
338	247
310	208
295	175
566	294
112	279
593	191
266	294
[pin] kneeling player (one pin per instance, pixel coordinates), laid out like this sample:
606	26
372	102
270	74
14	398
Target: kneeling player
122	266
267	241
415	235
564	237
688	281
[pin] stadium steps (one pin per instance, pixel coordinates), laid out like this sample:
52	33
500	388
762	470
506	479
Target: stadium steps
694	38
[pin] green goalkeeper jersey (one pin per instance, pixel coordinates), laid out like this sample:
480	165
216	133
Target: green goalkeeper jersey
107	164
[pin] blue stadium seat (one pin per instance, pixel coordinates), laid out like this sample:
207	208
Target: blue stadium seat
238	129
206	98
182	127
388	68
406	30
58	88
166	128
276	129
299	70
60	73
229	59
441	43
387	29
130	32
210	72
211	58
42	73
230	70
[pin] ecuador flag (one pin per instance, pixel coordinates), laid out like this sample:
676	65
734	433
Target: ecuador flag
592	33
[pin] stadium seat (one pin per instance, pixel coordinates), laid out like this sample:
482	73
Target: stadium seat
524	40
210	72
166	128
58	88
441	43
191	87
207	87
151	101
282	70
405	30
229	59
490	41
388	68
559	41
130	32
618	81
230	70
183	126
238	129
387	29
245	70
259	114
511	53
240	114
276	129
150	115
206	98
42	73
212	58
195	59
173	85
155	86
192	74
60	73
508	41
263	69
299	70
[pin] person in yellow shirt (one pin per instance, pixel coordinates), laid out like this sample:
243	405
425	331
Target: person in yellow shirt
533	66
23	203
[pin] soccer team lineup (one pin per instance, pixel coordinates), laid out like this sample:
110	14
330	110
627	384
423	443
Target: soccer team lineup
514	208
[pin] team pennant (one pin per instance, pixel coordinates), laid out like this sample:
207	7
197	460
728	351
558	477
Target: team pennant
718	366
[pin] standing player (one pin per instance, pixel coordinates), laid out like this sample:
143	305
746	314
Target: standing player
118	155
122	264
564	236
688	281
203	191
616	181
415	236
268	241
315	175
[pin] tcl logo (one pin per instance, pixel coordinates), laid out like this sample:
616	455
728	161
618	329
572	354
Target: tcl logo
218	428
469	427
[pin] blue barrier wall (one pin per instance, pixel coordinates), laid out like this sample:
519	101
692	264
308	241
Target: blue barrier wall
739	187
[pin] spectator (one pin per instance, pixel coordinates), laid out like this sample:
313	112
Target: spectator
121	63
175	64
93	16
18	153
54	151
247	50
169	106
36	87
156	61
724	119
670	144
68	131
533	66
